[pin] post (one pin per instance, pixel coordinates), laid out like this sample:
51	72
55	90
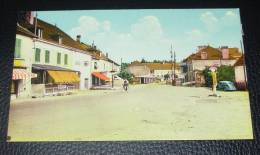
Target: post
172	65
112	80
244	67
174	69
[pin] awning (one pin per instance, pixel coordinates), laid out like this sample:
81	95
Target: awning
22	74
101	76
64	76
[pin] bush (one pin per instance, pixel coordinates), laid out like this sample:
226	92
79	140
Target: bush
224	73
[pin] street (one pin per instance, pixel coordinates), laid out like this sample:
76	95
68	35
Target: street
145	112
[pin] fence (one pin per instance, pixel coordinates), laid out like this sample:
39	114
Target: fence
60	89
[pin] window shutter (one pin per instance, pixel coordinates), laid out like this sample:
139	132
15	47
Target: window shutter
17	53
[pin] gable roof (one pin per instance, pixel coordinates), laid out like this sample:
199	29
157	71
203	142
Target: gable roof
214	54
23	31
156	66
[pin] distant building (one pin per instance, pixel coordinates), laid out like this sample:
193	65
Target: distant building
240	76
206	56
149	72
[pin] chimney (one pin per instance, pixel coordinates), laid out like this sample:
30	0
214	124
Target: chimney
78	38
107	55
224	52
201	47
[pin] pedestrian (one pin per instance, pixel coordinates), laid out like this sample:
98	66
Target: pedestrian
125	85
214	80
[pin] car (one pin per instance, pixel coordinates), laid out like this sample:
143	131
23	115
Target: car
226	86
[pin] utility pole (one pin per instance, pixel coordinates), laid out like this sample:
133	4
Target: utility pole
244	67
174	82
172	66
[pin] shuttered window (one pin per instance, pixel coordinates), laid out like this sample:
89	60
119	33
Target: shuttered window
17	53
37	55
66	59
47	56
58	58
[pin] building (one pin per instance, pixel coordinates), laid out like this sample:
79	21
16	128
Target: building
206	56
240	76
103	69
21	79
149	72
60	62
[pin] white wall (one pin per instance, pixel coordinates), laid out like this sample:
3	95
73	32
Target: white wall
54	49
26	54
239	74
201	64
82	64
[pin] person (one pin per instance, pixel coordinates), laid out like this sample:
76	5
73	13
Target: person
125	85
213	70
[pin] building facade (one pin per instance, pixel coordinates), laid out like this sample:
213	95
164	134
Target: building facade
207	56
22	65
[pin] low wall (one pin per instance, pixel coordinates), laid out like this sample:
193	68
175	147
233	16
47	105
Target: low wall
38	90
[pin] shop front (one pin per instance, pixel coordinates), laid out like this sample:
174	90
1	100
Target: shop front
54	80
20	86
100	79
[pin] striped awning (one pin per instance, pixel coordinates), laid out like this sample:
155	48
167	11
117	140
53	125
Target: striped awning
22	74
101	76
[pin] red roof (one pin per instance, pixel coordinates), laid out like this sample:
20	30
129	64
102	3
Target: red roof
101	76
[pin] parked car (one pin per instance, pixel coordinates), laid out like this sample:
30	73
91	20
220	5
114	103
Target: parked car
226	86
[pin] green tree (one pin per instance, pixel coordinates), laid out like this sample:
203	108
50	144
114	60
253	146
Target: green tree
224	73
126	75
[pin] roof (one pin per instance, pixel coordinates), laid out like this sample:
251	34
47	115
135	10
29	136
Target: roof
214	54
156	66
49	67
240	61
51	33
23	31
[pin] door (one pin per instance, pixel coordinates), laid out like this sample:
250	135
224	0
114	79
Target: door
86	83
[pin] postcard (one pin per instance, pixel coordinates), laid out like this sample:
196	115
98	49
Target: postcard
122	75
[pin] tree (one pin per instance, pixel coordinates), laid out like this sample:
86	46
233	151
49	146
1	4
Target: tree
224	73
166	76
126	75
143	61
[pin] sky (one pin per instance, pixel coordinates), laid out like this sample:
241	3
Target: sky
149	33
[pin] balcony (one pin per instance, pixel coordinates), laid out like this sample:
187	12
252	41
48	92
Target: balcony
18	62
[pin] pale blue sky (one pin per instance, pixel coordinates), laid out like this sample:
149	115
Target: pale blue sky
136	34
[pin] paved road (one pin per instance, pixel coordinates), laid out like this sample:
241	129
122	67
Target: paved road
146	112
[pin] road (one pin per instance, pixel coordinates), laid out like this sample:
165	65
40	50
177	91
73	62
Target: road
145	112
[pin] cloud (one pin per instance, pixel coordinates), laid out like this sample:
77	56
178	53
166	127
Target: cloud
145	38
195	34
147	27
210	21
230	19
88	25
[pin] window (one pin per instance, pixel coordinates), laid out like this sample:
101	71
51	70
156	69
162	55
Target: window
47	56
37	57
17	53
95	65
58	58
39	32
66	59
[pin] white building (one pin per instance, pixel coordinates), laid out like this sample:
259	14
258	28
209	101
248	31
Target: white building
21	79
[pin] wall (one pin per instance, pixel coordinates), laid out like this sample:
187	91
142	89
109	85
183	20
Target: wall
201	64
239	74
139	70
26	57
54	49
82	63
